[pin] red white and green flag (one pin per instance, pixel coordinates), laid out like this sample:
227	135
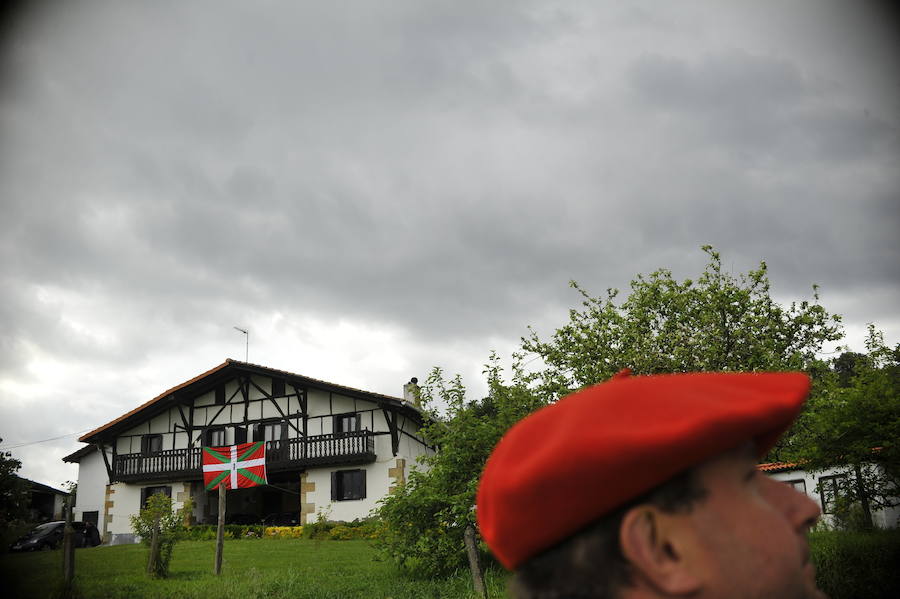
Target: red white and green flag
237	466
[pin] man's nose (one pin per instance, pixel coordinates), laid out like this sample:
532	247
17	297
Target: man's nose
800	510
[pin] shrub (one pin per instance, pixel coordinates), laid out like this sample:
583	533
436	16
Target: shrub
159	518
283	532
320	528
850	565
207	532
342	532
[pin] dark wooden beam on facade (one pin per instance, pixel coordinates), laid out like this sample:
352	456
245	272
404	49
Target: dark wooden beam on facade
271	399
301	395
391	417
184	420
245	395
109	470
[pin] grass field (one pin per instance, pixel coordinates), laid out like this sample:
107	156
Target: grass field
296	568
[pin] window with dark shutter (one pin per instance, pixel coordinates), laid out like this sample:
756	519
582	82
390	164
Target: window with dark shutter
798	484
151	444
277	387
215	437
348	484
347	423
830	489
270	431
148	492
240	434
220	395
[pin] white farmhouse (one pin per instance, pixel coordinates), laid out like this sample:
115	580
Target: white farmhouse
822	487
329	448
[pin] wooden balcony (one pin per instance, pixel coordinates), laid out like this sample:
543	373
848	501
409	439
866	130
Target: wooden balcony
281	455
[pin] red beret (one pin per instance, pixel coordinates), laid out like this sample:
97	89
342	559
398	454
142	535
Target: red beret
570	463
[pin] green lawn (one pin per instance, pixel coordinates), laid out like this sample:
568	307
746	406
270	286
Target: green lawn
252	568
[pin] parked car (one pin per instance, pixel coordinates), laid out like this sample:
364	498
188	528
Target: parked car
282	519
48	536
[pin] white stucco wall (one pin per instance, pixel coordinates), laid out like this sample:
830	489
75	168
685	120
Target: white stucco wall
378	480
882	518
126	502
92	481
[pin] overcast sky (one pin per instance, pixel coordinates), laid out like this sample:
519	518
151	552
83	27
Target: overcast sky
376	188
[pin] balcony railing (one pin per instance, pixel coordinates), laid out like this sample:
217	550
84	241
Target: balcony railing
284	454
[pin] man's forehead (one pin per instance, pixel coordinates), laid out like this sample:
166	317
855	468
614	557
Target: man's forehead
738	456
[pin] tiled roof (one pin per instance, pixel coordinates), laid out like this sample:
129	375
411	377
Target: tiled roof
36	486
778	466
229	363
75	456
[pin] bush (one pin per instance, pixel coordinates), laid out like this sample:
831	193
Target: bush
850	565
283	532
159	518
207	532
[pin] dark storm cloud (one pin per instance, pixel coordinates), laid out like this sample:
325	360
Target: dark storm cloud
437	172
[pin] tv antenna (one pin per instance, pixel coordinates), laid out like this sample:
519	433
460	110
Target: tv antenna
247	344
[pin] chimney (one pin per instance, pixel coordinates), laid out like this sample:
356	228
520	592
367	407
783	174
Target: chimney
411	391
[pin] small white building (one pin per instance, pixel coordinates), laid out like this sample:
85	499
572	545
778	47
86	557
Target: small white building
822	488
330	449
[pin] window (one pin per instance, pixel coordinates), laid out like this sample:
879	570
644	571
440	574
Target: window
277	387
215	437
347	423
830	489
348	484
240	435
151	444
92	517
148	492
799	485
220	395
270	431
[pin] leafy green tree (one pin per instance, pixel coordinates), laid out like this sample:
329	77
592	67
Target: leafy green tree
159	516
718	322
853	423
13	491
424	520
845	365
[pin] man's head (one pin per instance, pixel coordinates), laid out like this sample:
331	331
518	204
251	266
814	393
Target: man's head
647	486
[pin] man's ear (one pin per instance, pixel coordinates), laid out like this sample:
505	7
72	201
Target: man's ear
657	546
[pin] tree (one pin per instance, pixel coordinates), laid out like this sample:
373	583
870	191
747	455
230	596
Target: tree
425	519
158	525
716	323
853	424
13	491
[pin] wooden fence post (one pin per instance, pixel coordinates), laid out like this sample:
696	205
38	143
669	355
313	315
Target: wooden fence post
220	531
474	562
68	547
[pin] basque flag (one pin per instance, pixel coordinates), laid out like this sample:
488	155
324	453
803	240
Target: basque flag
237	466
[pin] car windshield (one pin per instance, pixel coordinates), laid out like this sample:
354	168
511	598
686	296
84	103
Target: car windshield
43	529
